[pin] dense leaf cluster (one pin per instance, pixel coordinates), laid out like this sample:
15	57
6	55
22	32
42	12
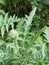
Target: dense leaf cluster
24	41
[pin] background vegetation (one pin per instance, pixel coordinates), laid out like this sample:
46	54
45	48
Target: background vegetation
24	32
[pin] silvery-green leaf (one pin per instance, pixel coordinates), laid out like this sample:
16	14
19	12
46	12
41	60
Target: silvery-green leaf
2	31
46	33
6	19
12	25
1	20
7	27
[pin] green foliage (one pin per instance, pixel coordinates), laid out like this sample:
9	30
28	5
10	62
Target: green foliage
46	2
46	33
18	7
2	2
6	22
24	41
2	12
